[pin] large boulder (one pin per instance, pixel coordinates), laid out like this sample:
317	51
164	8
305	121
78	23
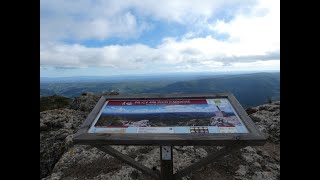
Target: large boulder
86	102
56	130
267	119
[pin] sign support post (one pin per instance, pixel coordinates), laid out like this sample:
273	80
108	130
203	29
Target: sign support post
166	163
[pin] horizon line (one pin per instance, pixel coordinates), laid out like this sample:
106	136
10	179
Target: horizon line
135	74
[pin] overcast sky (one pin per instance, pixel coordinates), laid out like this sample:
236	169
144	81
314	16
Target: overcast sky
114	37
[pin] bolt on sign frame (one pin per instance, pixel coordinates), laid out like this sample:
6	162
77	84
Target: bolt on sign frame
216	133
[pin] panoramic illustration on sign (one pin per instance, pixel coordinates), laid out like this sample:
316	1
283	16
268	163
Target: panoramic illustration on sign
198	116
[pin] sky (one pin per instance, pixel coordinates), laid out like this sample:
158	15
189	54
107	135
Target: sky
164	108
112	37
157	109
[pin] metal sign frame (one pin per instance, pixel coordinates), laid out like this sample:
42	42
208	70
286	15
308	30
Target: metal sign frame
254	137
230	141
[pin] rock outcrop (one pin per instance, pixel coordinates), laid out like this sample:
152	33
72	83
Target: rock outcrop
85	102
85	162
56	130
267	118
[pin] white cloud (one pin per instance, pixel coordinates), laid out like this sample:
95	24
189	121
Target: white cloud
185	12
192	53
86	19
254	33
126	57
188	108
254	36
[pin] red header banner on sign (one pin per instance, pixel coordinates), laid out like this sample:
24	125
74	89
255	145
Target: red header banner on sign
156	102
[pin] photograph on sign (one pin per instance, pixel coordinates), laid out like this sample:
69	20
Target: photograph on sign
189	116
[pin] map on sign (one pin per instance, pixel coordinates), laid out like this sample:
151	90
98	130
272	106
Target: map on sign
179	116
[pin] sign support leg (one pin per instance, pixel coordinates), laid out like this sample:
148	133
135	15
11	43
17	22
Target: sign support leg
166	162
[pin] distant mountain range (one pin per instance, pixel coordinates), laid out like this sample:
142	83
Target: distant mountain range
137	77
250	89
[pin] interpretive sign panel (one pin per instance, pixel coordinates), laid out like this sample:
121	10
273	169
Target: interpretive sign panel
168	120
168	116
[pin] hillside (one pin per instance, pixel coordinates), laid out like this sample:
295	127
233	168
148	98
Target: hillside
250	89
60	159
46	92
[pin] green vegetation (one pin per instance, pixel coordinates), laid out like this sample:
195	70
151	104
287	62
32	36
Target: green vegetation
116	122
54	102
109	120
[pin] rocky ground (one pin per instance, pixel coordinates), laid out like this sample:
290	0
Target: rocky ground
60	159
